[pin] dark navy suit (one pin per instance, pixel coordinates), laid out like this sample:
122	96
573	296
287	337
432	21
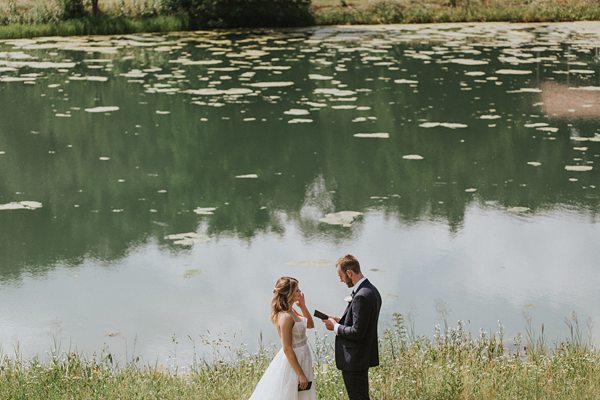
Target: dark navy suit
356	347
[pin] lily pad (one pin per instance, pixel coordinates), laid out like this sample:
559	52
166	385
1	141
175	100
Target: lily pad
578	168
375	135
296	111
187	239
247	176
205	210
271	84
513	72
103	109
450	125
343	218
21	205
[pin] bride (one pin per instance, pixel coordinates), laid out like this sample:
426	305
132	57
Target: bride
290	374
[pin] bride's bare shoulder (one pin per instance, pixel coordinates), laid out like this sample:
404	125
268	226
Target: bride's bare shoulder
284	318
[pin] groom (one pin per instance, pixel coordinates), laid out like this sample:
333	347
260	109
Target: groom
356	331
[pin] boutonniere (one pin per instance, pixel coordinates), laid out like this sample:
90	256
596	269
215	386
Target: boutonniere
348	299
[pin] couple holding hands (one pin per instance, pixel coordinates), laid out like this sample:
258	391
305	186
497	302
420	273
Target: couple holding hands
290	373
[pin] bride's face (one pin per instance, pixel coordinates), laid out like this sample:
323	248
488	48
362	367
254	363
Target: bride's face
297	294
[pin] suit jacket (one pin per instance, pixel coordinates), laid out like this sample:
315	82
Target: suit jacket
356	342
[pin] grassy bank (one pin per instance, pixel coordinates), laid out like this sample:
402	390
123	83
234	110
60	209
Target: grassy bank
26	18
105	25
410	11
451	365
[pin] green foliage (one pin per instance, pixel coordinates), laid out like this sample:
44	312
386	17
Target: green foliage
386	11
174	6
51	11
71	8
45	12
94	26
141	8
243	13
40	12
9	13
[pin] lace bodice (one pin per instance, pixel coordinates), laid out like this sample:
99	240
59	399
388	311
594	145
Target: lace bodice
299	333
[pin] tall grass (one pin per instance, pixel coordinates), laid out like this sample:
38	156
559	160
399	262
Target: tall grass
62	18
411	11
94	26
450	365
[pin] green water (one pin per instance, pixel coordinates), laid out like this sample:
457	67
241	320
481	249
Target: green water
484	220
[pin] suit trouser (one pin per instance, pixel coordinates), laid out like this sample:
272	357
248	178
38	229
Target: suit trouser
357	384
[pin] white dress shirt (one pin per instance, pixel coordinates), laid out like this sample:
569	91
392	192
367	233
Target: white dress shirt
354	290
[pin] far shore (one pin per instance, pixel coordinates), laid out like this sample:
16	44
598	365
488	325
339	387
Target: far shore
19	23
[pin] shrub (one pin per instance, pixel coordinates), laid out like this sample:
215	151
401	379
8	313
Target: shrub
72	8
174	6
386	11
8	13
141	8
243	13
44	12
41	12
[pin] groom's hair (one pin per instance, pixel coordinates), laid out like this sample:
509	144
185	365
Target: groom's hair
349	262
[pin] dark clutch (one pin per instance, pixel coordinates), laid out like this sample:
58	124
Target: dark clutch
307	387
320	315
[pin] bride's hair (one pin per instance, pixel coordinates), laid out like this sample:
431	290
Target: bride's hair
283	296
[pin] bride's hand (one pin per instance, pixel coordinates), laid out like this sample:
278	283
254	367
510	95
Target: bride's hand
303	382
301	302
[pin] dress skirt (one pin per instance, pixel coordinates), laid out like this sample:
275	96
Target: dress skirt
280	381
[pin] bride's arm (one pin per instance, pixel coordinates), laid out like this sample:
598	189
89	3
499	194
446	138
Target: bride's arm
286	323
302	304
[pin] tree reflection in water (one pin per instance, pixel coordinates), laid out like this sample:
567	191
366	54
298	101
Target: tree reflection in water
111	182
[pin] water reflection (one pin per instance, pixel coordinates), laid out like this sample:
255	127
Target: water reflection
563	101
415	124
163	154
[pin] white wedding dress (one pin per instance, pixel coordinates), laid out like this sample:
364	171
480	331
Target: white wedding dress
280	381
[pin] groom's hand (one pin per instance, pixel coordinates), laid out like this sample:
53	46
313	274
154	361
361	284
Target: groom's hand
329	323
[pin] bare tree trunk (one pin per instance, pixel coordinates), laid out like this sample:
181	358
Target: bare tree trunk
95	10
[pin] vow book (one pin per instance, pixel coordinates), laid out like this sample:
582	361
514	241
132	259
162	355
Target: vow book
320	315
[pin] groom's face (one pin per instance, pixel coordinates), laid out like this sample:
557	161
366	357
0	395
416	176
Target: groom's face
344	277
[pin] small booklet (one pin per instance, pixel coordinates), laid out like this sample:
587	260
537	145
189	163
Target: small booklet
320	315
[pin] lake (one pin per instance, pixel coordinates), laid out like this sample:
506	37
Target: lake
154	187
